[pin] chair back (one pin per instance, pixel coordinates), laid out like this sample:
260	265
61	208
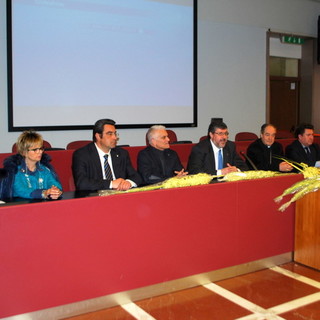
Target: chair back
77	144
284	134
242	136
203	138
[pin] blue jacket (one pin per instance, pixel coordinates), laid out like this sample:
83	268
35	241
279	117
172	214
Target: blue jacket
17	181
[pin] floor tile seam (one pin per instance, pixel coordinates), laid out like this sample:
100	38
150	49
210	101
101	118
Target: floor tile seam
295	304
242	302
258	310
275	312
297	276
137	312
261	316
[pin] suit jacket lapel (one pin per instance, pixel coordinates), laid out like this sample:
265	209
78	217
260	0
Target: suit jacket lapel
96	160
212	160
313	154
303	153
116	163
226	156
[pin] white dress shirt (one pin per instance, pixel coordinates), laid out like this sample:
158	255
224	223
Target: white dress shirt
216	155
101	157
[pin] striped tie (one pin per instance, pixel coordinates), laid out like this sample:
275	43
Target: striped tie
107	169
220	160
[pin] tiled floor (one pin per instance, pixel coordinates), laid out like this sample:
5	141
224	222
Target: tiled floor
290	291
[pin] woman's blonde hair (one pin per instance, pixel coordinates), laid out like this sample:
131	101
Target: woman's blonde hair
28	139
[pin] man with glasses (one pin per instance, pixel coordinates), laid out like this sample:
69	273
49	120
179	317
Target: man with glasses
101	164
215	155
303	149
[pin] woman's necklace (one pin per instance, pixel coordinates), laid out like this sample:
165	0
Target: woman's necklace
35	172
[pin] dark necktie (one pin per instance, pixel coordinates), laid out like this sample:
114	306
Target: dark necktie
107	169
220	160
308	152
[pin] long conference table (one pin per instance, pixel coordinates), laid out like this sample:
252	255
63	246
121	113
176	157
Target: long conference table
55	253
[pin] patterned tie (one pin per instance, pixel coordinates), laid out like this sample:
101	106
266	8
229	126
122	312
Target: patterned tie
220	160
107	169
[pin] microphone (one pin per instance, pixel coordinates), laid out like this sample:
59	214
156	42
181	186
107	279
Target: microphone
249	160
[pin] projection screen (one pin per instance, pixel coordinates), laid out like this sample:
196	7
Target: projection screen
71	62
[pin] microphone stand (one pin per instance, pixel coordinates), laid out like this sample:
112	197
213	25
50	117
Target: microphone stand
249	160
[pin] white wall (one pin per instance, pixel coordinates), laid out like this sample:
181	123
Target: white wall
231	66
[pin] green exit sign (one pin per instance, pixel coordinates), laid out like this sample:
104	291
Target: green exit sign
292	39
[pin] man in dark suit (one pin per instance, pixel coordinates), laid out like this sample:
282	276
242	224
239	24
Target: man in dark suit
263	152
215	155
303	149
101	164
158	162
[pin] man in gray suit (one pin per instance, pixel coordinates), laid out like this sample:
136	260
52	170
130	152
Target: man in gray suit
215	155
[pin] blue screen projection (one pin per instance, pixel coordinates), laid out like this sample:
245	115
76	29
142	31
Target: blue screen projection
72	62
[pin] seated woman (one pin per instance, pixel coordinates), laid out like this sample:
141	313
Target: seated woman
30	175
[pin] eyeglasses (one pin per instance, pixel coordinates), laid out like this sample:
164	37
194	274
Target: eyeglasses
37	150
111	133
222	134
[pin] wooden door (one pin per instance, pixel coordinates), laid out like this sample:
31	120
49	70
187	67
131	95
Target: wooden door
284	102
